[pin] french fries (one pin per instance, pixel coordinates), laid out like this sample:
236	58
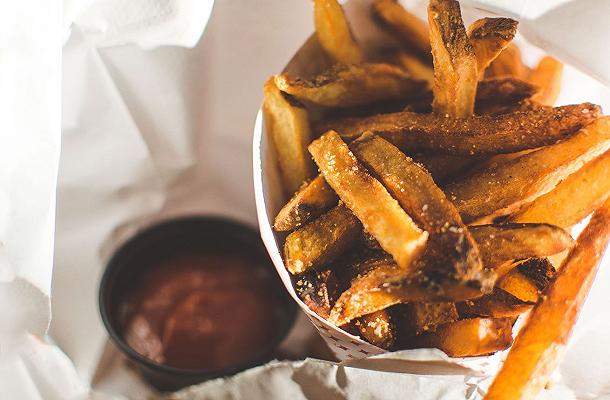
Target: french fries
539	345
311	201
508	63
418	318
455	64
547	75
572	199
419	196
353	85
366	197
468	337
489	36
503	242
377	328
471	136
497	304
387	284
321	241
334	33
528	279
319	290
409	30
376	247
500	190
288	125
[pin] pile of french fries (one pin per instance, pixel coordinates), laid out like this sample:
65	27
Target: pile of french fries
443	180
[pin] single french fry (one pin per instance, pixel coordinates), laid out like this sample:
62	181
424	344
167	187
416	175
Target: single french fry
386	284
489	36
425	202
365	196
408	29
321	241
468	337
508	63
319	290
417	318
353	85
288	125
504	242
540	344
502	189
572	199
377	328
311	201
474	135
455	64
528	279
547	75
497	304
415	67
334	33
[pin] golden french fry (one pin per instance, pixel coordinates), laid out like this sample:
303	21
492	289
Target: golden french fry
468	337
311	201
444	167
489	36
425	202
455	64
319	290
417	318
497	304
288	125
353	85
409	30
508	63
321	241
528	279
334	33
504	242
386	284
572	199
365	196
502	189
547	75
377	328
415	67
474	135
539	345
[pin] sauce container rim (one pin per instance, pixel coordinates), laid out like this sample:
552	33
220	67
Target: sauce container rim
156	229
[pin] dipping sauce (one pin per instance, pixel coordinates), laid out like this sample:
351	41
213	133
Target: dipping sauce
200	311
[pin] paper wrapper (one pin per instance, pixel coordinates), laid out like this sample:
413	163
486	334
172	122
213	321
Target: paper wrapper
269	193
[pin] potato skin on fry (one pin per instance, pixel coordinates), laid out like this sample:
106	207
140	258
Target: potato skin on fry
408	29
468	337
540	344
455	64
475	135
322	240
365	196
497	304
499	243
334	33
497	93
528	279
309	202
288	125
377	328
319	290
489	36
354	85
416	318
502	189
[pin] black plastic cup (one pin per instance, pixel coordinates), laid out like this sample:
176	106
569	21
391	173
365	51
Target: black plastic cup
201	234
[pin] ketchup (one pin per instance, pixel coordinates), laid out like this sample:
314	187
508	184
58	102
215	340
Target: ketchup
200	311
